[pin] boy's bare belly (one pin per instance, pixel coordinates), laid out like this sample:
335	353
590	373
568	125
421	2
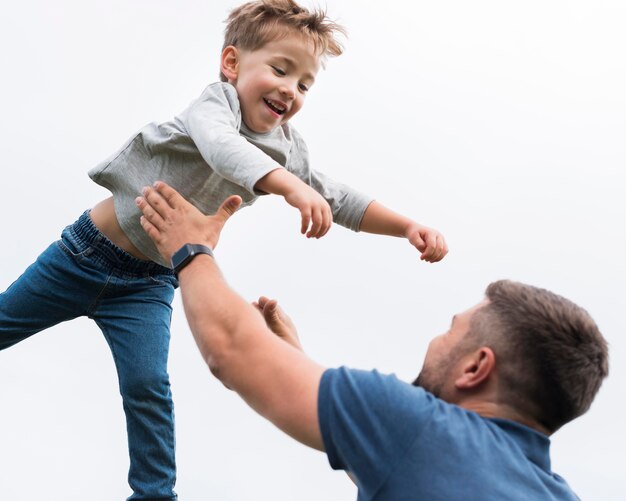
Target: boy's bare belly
103	216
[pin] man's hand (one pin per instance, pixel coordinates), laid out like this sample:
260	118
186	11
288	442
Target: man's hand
278	321
171	222
314	209
428	241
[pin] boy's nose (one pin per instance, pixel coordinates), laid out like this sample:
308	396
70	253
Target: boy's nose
288	90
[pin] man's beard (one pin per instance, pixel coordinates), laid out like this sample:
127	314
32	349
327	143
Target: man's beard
429	382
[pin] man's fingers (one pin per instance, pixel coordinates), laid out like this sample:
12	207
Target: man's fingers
150	229
271	306
262	301
171	196
270	312
229	207
149	213
156	201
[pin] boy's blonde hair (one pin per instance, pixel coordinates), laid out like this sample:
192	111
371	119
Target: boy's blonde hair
253	24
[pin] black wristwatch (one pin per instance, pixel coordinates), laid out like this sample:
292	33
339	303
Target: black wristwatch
183	256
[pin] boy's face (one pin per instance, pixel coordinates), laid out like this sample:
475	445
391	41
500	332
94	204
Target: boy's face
272	81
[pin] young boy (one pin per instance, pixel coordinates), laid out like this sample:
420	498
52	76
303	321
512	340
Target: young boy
234	139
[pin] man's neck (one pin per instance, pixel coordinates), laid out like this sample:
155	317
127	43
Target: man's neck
489	409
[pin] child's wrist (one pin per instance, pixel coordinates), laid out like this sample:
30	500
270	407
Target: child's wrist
409	228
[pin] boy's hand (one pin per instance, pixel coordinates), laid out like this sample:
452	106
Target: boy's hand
314	209
428	241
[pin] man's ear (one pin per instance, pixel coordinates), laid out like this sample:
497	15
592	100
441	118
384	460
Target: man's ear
229	64
477	368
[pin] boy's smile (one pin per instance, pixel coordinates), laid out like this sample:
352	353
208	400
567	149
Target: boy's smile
272	81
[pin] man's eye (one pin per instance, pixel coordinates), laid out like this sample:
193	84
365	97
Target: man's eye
279	71
303	88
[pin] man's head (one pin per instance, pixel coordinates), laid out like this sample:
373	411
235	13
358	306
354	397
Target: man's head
532	351
272	52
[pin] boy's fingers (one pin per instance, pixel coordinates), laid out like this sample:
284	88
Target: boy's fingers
328	221
431	246
419	244
316	224
306	220
441	245
436	251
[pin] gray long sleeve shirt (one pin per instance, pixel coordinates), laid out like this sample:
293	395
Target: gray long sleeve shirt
207	153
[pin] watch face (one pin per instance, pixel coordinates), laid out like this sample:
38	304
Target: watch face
181	256
186	253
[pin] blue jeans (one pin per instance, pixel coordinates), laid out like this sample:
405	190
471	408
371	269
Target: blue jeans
85	274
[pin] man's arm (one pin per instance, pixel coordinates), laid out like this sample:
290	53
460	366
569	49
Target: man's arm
380	220
277	380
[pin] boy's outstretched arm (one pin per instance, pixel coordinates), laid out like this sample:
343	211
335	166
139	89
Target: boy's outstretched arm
383	221
313	208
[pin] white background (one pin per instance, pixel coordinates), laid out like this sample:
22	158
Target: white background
500	123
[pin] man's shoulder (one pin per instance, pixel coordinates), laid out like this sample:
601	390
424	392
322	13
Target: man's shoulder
385	397
375	389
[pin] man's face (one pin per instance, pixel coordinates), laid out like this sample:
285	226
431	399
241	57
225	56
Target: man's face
272	81
439	373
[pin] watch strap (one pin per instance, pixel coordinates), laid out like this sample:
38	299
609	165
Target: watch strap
183	256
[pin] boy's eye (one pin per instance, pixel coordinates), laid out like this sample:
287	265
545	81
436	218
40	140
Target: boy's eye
303	88
279	71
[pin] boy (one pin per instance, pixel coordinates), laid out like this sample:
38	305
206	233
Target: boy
234	139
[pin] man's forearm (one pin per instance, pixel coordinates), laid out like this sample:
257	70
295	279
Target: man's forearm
380	220
217	322
277	380
274	378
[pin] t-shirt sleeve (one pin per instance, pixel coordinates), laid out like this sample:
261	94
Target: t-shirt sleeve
368	421
213	123
347	204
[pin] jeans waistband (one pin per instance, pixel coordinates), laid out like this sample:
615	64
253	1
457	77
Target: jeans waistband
87	235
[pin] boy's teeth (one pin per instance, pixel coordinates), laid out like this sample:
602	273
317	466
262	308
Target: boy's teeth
275	106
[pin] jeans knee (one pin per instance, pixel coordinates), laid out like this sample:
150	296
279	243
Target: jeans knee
145	386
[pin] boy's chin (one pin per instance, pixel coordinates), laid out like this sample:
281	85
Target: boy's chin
261	128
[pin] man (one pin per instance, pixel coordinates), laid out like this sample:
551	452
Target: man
474	425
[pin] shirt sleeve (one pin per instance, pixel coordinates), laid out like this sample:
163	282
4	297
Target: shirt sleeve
213	123
368	421
347	204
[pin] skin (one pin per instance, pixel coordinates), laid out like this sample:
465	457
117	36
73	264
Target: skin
271	81
254	349
281	72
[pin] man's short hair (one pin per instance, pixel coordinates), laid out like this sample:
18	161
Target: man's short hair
253	24
550	355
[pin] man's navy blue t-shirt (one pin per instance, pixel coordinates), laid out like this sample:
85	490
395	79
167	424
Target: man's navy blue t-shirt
401	443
